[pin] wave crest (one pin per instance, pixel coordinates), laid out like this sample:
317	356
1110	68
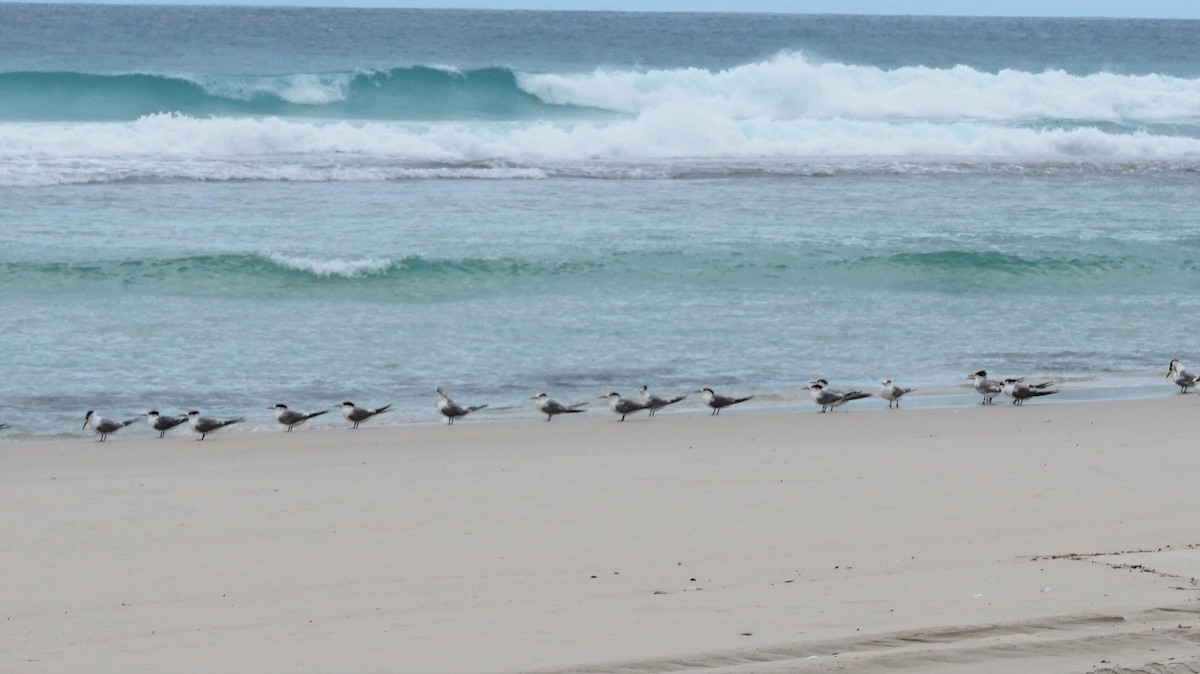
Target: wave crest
325	268
784	115
1119	265
792	86
406	93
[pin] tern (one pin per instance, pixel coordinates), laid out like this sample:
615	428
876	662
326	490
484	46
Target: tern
104	427
163	424
206	425
892	393
718	402
1020	392
552	407
453	410
828	398
655	403
292	418
622	406
1183	379
358	414
988	388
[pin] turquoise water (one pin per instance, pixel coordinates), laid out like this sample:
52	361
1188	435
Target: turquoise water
505	203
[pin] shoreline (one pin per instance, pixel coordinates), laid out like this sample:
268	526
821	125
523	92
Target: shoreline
944	539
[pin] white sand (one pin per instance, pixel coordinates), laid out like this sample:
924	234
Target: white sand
952	540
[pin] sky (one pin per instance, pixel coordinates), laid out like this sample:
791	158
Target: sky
1156	9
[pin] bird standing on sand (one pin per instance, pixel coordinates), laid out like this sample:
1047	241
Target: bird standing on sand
719	402
291	418
357	415
892	393
1183	379
655	403
163	424
104	427
1020	392
453	410
828	398
206	425
622	406
988	388
552	407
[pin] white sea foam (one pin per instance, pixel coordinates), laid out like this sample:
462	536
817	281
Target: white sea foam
300	89
786	108
792	86
664	132
171	147
331	267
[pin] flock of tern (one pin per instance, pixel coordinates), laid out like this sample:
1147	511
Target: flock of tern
822	394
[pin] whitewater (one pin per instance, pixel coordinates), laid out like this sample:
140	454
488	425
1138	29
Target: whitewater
508	202
500	124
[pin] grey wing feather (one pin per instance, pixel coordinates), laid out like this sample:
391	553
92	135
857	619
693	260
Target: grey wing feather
291	417
627	406
167	423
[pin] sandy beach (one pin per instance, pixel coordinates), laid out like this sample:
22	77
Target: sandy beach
1047	538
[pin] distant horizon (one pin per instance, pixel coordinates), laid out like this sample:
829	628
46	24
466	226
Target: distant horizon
1108	9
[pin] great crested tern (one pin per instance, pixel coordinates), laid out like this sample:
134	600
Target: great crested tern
719	402
163	424
830	399
552	408
1182	378
453	410
892	393
655	403
1020	392
357	415
104	427
622	406
292	418
988	388
206	425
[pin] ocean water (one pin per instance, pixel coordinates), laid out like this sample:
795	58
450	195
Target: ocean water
223	208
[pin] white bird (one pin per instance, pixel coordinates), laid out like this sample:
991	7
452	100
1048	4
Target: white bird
828	398
453	410
357	415
719	402
291	418
104	427
1021	392
655	403
1183	379
622	406
206	425
552	407
892	393
163	424
988	388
